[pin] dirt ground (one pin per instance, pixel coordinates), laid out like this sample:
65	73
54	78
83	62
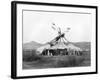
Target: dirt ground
41	62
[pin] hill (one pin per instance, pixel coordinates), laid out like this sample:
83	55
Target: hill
83	45
31	45
34	45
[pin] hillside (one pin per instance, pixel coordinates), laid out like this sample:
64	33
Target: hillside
34	45
83	45
31	45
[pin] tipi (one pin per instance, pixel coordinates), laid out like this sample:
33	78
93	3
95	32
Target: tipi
59	45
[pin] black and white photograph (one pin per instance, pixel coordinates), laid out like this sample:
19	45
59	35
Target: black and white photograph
55	39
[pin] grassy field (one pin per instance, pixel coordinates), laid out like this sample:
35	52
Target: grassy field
33	61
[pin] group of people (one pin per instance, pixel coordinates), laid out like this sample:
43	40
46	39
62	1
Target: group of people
55	52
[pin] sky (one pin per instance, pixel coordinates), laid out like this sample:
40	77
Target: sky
37	26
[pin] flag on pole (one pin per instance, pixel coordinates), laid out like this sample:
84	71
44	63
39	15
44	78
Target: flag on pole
53	28
53	24
68	28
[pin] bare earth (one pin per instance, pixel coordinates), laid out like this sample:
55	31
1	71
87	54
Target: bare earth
57	61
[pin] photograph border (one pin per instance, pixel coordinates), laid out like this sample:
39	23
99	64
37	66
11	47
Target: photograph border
14	38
